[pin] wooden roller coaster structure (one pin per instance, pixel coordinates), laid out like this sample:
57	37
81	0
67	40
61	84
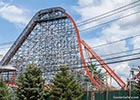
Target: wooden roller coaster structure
55	23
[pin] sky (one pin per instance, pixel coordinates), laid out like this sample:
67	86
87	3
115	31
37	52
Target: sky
15	14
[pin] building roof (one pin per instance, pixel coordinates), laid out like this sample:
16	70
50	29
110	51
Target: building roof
7	68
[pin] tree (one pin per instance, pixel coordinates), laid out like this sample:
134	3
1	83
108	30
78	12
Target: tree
64	87
4	91
95	71
97	74
31	84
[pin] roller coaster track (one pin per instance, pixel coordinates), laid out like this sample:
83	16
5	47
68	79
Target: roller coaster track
63	32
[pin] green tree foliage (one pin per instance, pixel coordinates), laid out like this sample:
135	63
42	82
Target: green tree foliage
65	87
31	84
4	91
95	71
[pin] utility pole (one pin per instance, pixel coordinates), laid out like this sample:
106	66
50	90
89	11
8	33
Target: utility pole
87	90
130	81
106	89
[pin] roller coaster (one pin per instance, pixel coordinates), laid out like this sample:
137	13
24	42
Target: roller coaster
52	39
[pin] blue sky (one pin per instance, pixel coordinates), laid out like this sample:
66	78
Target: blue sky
15	14
9	31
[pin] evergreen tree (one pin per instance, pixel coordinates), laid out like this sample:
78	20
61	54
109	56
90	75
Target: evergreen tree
97	74
65	87
4	91
95	71
31	84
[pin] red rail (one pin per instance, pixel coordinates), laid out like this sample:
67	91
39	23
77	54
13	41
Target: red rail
82	56
136	76
104	65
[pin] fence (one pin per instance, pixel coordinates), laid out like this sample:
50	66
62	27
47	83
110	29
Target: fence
117	95
87	96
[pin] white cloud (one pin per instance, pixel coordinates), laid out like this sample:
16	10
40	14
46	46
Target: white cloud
3	51
136	42
1	4
119	29
16	15
13	14
85	2
0	57
123	69
94	9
